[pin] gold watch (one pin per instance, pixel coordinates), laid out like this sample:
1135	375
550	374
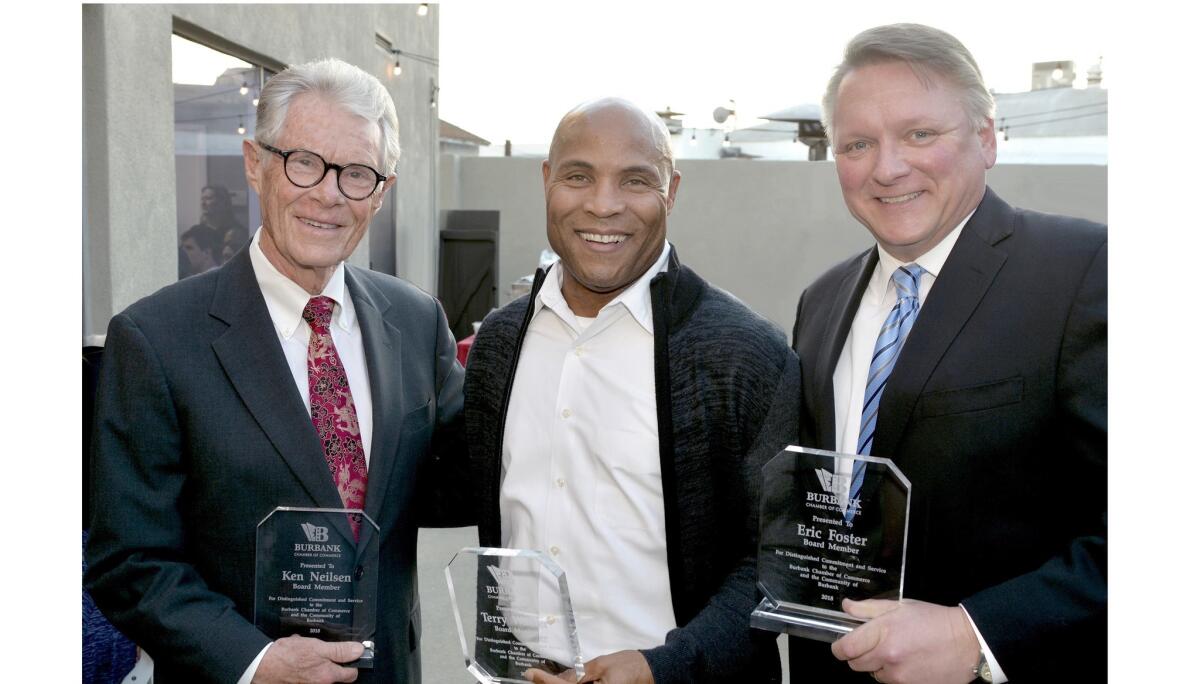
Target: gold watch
982	670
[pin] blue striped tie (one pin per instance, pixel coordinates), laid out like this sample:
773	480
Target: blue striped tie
887	350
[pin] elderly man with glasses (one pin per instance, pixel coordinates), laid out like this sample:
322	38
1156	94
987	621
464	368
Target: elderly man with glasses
284	378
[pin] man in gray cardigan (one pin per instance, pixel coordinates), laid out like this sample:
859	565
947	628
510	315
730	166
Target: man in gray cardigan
619	416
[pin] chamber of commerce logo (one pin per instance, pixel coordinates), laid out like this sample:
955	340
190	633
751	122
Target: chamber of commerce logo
315	533
836	496
833	484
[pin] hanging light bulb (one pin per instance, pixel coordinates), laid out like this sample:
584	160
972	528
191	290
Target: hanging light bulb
396	70
725	142
244	89
422	9
254	101
241	127
693	140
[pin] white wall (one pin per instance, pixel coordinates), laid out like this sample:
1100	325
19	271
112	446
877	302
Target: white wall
763	230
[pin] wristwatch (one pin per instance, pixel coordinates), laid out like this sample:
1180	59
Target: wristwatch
982	670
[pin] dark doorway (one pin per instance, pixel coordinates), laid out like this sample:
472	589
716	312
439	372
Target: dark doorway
468	271
381	237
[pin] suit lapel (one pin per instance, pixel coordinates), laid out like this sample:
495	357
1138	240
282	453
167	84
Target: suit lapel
849	293
957	292
383	351
250	354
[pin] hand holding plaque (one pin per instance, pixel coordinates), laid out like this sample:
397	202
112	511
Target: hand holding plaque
513	612
831	526
312	579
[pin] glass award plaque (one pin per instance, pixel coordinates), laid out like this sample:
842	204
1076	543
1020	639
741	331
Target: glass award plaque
311	578
831	526
513	613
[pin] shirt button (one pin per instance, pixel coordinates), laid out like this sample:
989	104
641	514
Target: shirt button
566	413
550	620
561	483
553	550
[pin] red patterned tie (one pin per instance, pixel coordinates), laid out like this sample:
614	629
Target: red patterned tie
333	410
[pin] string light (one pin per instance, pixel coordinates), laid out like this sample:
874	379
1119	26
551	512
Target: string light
422	9
241	127
397	69
693	140
244	89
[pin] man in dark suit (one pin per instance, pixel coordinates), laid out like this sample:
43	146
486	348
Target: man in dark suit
993	402
284	378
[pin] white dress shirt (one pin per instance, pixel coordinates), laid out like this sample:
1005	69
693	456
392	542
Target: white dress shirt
581	477
850	375
285	303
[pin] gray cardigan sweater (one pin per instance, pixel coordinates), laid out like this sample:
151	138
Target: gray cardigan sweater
728	392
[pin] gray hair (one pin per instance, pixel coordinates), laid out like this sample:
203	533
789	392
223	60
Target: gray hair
359	92
926	50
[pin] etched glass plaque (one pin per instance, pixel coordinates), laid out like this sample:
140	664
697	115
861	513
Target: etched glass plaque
513	613
311	578
828	532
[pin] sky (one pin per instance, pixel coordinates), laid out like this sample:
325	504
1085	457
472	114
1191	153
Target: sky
197	64
511	70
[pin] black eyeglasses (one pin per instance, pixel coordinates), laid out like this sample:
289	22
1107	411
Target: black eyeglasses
306	169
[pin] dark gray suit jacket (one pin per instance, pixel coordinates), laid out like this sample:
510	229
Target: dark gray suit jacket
200	433
997	411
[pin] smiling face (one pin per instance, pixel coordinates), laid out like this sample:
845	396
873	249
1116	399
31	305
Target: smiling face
307	232
609	189
910	162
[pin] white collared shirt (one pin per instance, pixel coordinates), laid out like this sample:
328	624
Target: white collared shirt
850	375
285	303
581	477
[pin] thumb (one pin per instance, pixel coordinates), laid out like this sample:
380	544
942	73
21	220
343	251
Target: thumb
341	651
870	608
542	677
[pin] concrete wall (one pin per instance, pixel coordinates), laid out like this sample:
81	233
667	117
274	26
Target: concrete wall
763	230
129	164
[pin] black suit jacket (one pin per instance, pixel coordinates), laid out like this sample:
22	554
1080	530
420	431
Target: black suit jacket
996	411
200	433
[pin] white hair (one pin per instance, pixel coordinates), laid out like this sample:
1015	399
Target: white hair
359	92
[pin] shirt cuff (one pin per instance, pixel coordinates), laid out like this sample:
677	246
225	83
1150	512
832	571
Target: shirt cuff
248	675
998	676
